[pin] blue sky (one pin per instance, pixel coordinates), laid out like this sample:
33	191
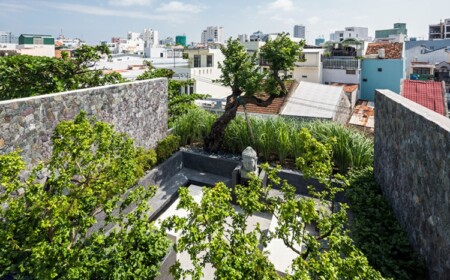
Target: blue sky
97	20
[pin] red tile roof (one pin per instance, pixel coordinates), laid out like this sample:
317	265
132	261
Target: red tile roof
272	109
426	93
391	50
348	88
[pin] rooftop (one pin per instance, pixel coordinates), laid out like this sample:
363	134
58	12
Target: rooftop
429	94
391	50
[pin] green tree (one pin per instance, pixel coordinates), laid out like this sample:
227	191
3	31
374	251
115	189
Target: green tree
214	232
24	75
47	223
240	71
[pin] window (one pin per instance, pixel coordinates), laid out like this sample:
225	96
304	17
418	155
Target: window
197	61
364	80
350	72
209	61
304	76
421	71
380	69
161	55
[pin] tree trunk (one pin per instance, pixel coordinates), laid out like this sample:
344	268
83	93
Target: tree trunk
213	142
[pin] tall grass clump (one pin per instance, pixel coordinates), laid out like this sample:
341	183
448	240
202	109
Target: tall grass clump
351	148
193	126
237	136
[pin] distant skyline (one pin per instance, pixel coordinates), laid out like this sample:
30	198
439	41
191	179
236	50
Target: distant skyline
99	20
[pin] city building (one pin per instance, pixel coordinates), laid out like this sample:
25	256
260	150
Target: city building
203	67
319	41
299	31
360	33
398	34
383	67
243	38
342	62
36	45
213	34
150	38
180	40
440	30
423	56
309	69
7	37
257	36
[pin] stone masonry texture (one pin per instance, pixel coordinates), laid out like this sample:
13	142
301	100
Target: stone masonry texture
139	109
412	165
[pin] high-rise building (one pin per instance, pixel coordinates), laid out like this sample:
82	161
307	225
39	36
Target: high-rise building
299	31
213	34
150	38
7	37
440	30
180	40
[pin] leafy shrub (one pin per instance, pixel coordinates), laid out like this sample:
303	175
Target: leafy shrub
377	232
145	160
193	126
46	224
166	147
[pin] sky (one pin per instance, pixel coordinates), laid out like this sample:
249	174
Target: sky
100	20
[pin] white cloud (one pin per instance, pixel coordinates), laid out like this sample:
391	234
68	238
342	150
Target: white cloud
10	7
179	7
91	10
314	19
284	5
129	2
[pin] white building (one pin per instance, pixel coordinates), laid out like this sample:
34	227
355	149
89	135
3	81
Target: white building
150	38
36	45
213	34
7	37
243	38
309	70
299	31
360	33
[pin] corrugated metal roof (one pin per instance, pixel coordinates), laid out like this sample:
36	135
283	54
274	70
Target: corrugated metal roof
426	93
313	100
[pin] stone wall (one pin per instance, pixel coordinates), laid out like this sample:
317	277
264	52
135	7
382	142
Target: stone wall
412	165
138	109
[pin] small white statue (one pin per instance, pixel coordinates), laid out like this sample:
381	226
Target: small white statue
249	162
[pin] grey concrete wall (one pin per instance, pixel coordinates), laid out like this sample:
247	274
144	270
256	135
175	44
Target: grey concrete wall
138	109
412	165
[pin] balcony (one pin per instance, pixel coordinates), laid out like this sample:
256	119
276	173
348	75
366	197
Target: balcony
341	63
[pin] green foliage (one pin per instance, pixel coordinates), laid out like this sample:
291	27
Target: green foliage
281	54
145	160
46	226
351	148
193	126
24	75
215	232
239	69
166	147
377	232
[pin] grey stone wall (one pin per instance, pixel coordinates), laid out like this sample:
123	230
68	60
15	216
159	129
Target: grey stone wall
412	165
138	109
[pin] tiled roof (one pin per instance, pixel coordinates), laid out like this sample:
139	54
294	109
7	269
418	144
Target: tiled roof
426	93
272	109
348	88
391	50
